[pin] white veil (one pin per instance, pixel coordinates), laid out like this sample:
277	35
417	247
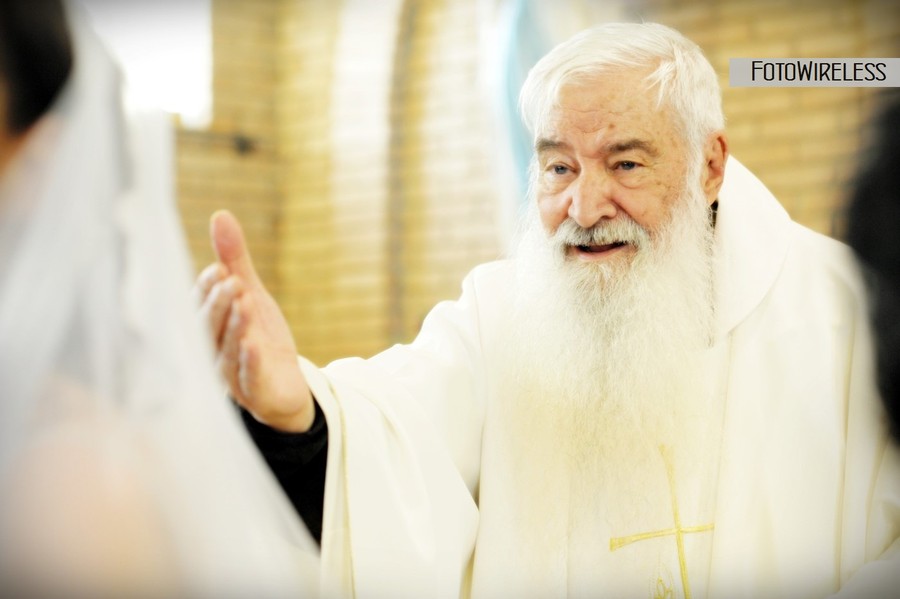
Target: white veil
116	442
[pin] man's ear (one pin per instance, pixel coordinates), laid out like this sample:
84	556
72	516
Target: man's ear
715	154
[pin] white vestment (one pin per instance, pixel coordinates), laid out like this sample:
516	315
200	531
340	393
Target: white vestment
420	499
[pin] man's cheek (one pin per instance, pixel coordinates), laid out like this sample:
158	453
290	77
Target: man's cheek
554	209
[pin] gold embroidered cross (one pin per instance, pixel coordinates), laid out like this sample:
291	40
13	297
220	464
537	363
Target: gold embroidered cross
678	530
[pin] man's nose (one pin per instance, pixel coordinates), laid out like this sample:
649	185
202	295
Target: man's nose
592	198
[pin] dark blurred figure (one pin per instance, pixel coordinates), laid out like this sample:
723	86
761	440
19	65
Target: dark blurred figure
874	232
35	62
35	58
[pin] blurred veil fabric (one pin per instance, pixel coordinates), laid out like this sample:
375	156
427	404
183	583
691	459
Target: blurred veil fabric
123	469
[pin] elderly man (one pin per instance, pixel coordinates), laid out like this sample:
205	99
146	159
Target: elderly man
666	392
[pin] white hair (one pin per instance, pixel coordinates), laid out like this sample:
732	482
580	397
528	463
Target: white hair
684	78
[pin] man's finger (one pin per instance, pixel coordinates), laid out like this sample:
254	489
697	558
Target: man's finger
231	344
209	276
248	373
229	245
217	307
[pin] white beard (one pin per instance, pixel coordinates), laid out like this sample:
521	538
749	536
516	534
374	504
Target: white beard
606	364
619	339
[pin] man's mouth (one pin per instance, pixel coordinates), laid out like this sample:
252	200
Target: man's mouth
593	252
599	249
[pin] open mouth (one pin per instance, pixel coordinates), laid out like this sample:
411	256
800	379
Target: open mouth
599	249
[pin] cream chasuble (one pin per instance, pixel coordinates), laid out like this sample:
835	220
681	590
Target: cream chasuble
667	539
630	521
783	483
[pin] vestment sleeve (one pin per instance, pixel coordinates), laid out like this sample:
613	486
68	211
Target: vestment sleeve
403	458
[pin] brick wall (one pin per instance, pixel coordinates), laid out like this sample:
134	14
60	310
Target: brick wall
368	189
307	231
802	142
234	164
402	208
347	149
443	201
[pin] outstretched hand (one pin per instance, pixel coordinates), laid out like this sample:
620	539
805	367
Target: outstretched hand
255	350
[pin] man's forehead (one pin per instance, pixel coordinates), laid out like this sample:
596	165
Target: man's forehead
611	118
615	86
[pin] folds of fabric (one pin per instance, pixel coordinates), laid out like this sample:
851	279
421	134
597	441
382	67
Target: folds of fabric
101	357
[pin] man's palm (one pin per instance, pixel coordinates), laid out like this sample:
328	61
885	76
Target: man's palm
255	348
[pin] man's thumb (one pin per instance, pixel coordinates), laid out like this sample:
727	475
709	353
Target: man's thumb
229	245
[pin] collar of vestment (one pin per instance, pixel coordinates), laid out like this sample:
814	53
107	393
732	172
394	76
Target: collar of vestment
752	241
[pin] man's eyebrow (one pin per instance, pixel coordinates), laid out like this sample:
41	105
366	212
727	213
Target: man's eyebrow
544	144
632	144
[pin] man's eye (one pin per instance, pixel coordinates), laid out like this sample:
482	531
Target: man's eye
627	165
559	169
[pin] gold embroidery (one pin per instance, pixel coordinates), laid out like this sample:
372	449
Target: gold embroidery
678	531
663	590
